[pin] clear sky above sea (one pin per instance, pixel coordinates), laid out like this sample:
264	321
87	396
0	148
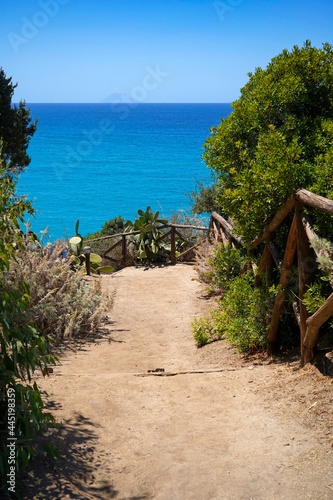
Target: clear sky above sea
149	50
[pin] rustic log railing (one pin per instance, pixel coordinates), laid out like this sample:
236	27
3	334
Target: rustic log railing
123	240
300	235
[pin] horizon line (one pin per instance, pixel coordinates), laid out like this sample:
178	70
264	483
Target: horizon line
120	102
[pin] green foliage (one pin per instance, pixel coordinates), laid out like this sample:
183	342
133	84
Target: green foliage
203	331
148	225
226	266
324	249
23	349
313	297
318	292
277	139
16	128
242	317
204	198
190	235
245	314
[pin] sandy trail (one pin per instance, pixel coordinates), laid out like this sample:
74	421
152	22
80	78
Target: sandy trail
228	435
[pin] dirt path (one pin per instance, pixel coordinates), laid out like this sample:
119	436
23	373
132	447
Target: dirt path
249	431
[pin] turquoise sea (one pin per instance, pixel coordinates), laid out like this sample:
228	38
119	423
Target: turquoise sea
94	162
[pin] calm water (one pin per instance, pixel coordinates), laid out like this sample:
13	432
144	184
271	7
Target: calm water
94	162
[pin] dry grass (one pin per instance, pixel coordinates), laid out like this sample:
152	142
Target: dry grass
62	304
203	257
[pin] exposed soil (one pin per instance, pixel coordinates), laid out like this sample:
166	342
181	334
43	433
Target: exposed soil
213	425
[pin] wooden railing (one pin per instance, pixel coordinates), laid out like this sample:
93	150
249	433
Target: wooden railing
300	235
123	241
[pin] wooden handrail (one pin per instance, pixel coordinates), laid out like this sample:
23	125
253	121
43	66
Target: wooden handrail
300	235
110	236
315	201
276	222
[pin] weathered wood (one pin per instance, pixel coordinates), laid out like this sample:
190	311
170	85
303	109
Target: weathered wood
184	239
173	245
226	225
295	306
315	201
224	239
313	324
124	250
276	221
216	231
116	261
164	236
279	299
275	254
111	236
306	267
180	226
189	249
221	220
262	267
309	229
245	267
106	256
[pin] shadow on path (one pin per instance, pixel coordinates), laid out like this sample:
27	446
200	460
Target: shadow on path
73	476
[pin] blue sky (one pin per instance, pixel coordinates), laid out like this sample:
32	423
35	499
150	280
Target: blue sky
150	50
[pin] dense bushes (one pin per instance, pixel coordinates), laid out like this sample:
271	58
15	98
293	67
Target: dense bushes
226	266
243	313
278	138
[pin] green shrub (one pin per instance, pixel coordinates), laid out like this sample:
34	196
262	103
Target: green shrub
226	264
203	331
246	313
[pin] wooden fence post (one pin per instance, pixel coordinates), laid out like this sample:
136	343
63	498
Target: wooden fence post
279	299
313	325
124	250
306	267
173	245
266	263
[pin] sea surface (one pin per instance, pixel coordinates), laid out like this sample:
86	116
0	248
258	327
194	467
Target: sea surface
93	162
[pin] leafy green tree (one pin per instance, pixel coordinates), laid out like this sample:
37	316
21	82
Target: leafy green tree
204	198
278	138
16	126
